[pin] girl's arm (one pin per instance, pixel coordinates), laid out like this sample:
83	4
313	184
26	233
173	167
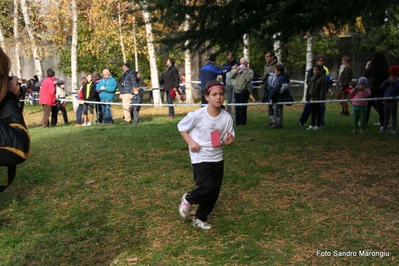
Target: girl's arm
193	146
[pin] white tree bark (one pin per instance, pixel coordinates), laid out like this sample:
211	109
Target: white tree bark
276	46
74	51
151	53
245	51
136	60
309	62
35	49
2	40
187	66
120	33
16	41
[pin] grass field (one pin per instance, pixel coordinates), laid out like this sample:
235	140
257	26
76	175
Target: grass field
109	195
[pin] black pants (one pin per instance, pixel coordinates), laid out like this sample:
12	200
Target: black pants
208	177
61	108
241	110
378	106
316	114
54	115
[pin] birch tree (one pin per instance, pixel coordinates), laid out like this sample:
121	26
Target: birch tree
32	40
16	41
187	65
151	54
120	32
309	62
2	40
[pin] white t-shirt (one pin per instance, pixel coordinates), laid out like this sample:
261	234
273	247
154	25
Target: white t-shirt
199	124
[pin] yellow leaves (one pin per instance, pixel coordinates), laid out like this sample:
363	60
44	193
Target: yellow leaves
359	25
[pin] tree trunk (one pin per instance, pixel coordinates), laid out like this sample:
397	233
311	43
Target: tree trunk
276	46
187	66
309	62
151	54
16	41
74	51
2	40
245	51
136	60
120	33
32	40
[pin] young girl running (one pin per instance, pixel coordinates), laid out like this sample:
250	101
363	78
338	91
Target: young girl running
205	130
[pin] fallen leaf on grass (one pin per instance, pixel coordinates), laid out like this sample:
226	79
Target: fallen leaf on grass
90	182
132	259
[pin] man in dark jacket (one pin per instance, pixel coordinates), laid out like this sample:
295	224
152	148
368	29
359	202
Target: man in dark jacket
209	72
171	84
128	82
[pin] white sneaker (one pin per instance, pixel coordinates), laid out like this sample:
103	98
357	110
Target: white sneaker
310	127
88	124
200	224
316	128
393	132
377	124
185	206
382	131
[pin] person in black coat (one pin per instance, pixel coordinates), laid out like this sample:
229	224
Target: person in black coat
14	136
171	80
376	73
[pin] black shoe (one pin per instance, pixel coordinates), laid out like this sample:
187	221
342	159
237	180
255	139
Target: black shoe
299	123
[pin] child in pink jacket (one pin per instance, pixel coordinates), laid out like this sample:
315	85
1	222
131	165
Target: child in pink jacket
360	106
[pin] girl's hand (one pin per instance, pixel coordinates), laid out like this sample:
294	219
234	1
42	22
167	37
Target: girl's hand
229	139
194	146
13	86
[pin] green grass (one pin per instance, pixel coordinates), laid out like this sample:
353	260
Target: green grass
101	195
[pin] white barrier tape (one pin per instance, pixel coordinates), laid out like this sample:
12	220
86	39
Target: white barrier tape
231	104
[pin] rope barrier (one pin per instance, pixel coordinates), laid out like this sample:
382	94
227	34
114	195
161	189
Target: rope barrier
232	104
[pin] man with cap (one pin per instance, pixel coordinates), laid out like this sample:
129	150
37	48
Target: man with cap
128	82
209	72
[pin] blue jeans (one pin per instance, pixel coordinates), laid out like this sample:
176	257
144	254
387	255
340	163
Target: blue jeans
107	112
170	101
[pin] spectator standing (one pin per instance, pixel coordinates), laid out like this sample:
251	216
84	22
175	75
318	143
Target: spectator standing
210	71
376	73
390	88
79	110
137	100
277	94
269	80
228	82
317	89
99	110
128	82
61	103
89	94
242	79
106	88
360	107
47	99
344	77
171	85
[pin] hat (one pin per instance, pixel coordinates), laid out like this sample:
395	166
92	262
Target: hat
126	65
394	70
212	57
362	80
